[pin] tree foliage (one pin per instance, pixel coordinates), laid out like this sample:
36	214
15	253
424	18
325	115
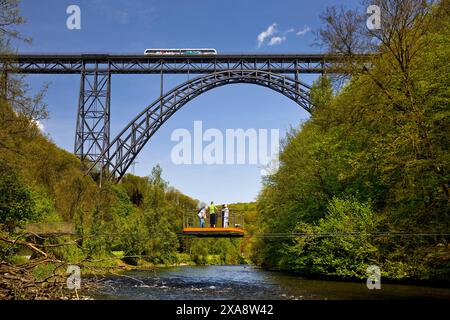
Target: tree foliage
379	142
16	201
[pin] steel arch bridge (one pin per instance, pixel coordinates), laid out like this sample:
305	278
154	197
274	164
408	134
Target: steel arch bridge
119	155
279	72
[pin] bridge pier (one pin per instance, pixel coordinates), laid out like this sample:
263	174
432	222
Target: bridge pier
93	119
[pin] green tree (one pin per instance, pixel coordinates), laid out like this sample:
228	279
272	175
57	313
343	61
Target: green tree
379	138
16	201
341	243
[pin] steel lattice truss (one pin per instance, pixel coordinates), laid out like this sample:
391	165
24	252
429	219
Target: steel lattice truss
132	64
115	160
93	119
92	140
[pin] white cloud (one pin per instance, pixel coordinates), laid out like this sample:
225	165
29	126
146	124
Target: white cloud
276	40
289	30
271	30
303	31
271	36
39	125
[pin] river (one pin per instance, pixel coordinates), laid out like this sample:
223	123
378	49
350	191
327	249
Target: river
247	282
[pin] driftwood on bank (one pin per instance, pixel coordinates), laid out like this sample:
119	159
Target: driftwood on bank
21	282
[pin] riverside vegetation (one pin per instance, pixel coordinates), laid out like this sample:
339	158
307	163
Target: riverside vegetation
368	174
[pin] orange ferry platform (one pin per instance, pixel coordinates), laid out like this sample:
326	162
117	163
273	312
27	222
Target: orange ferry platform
214	232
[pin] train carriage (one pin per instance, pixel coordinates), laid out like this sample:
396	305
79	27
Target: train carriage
187	51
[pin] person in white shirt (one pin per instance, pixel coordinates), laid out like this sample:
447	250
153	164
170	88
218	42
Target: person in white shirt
225	214
201	216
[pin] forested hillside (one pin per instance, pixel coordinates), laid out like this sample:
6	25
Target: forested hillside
367	177
141	217
47	199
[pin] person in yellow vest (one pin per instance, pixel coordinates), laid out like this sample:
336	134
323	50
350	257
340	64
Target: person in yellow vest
212	214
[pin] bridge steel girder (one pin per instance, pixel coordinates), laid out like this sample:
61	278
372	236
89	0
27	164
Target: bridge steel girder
142	64
93	117
116	159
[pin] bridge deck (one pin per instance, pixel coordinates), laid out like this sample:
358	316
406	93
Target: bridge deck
70	63
214	232
41	63
105	57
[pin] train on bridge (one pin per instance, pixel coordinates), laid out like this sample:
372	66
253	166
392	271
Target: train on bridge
171	52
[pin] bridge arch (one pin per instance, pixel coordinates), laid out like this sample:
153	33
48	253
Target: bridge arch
119	155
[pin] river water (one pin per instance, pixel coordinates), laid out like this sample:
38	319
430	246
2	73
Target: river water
247	282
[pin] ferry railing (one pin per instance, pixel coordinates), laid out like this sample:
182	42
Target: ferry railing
235	219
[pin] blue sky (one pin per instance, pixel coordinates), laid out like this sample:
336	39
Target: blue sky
126	26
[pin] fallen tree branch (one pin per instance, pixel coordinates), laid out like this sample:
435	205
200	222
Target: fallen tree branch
29	245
